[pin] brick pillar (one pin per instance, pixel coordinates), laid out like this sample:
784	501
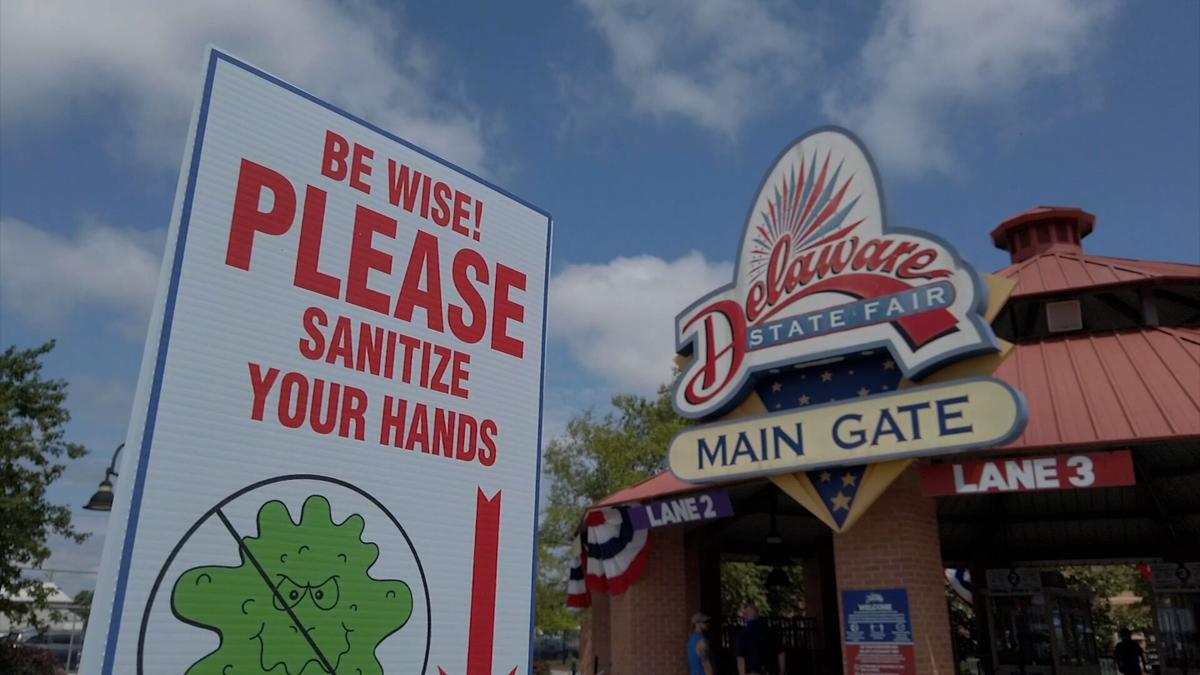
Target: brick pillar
595	637
650	620
895	545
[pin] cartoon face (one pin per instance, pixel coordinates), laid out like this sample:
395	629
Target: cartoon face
302	598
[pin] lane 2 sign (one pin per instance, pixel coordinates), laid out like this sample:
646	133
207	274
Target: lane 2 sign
1028	474
686	509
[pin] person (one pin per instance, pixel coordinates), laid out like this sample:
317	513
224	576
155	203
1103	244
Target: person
1130	658
758	650
700	656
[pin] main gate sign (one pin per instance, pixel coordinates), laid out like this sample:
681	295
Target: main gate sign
822	278
336	431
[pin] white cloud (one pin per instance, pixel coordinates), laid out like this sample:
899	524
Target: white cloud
145	56
618	318
46	276
717	63
928	62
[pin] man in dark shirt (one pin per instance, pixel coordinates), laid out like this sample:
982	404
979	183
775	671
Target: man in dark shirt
757	649
1130	658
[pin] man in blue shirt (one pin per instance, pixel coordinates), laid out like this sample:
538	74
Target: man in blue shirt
700	657
757	649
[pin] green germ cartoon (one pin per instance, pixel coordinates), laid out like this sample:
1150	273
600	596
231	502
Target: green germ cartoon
302	602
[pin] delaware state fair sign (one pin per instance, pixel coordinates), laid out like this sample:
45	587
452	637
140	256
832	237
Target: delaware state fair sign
332	464
823	282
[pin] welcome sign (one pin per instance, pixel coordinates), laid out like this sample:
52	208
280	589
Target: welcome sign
819	274
842	348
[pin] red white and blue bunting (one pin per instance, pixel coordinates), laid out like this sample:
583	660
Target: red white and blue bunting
611	560
960	582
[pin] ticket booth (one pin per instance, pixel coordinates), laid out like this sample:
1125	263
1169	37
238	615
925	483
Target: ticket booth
1177	617
1038	626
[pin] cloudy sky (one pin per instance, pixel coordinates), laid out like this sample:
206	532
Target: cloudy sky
643	126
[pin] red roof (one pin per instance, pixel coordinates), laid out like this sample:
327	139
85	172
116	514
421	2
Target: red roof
1126	387
1130	386
654	487
1059	272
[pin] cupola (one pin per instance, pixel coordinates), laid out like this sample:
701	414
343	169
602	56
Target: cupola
1045	229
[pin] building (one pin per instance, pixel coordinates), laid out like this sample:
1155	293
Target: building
1107	354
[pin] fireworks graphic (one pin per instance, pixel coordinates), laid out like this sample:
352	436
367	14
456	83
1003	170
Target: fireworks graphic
807	208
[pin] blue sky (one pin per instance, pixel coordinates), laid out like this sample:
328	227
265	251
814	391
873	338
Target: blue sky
644	127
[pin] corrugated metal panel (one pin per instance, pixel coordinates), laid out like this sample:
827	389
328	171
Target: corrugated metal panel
656	487
1059	271
1123	387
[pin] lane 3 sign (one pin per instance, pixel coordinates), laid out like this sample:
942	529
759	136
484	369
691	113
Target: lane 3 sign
1028	474
686	509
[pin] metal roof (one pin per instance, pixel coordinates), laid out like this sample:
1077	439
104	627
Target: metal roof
1063	272
1120	388
1133	386
661	485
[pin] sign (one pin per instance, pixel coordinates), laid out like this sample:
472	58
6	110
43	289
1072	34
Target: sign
1014	581
974	413
1175	577
335	436
819	274
878	630
686	509
1028	474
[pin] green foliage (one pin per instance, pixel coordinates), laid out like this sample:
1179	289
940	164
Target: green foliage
1107	582
964	631
83	605
553	615
594	458
32	446
745	583
24	660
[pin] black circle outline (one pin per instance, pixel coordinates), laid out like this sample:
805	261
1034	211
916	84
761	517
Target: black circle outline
254	486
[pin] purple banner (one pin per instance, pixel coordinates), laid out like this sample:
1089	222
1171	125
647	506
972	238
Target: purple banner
691	508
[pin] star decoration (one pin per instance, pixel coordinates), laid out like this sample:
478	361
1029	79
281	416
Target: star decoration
803	399
840	502
889	365
849	479
826	376
863	391
826	476
776	387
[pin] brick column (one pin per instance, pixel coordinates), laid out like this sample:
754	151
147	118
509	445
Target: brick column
595	637
649	622
895	545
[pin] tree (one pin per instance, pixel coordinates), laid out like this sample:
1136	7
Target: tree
1106	582
32	447
596	457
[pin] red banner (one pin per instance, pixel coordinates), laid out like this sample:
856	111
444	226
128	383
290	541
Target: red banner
1029	474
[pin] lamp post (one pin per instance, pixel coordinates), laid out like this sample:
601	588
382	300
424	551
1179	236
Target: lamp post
103	499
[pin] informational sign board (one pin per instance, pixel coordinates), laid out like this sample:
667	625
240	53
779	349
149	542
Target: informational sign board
1014	581
878	632
334	461
686	509
1175	577
1029	474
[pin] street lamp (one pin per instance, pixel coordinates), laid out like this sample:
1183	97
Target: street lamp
103	499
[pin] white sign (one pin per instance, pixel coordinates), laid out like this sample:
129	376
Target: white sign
1175	577
820	273
1014	581
334	461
